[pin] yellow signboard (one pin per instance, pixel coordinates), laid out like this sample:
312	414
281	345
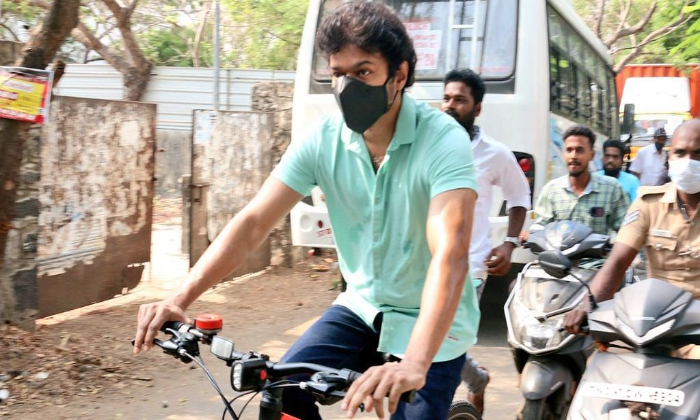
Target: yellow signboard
25	94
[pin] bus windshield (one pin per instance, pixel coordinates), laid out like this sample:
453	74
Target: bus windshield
492	54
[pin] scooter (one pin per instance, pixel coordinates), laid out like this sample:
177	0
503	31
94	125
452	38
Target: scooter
550	360
634	374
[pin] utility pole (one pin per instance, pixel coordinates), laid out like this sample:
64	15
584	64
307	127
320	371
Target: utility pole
216	55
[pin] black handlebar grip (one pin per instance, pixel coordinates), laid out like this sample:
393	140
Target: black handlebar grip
584	327
172	325
353	376
407	397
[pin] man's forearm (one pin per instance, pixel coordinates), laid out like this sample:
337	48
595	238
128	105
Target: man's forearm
223	256
608	279
448	231
516	220
442	294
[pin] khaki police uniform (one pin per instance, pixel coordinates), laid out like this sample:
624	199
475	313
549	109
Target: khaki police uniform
671	239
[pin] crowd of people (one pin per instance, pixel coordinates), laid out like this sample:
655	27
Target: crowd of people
408	190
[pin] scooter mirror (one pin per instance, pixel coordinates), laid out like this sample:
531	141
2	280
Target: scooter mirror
555	263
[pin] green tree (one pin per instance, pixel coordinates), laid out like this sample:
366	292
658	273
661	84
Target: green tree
638	30
166	47
688	49
266	33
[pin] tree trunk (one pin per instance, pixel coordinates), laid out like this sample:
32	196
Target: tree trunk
136	81
60	20
41	49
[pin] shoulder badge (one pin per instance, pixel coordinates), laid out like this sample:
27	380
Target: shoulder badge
630	218
652	189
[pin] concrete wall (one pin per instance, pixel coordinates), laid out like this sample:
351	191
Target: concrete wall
82	229
276	98
230	164
96	200
9	52
174	159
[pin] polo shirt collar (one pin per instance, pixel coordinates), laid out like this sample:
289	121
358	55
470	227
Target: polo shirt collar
405	127
592	186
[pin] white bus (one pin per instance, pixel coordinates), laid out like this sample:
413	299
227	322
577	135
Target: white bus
543	68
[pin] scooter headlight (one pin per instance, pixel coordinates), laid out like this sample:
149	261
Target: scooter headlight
543	335
533	334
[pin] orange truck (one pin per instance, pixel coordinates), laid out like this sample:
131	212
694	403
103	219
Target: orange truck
663	96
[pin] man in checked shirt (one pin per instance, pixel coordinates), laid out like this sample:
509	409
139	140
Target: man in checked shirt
594	200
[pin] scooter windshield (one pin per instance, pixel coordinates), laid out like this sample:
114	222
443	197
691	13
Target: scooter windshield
543	294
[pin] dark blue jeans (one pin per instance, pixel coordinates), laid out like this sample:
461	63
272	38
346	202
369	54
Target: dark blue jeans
340	339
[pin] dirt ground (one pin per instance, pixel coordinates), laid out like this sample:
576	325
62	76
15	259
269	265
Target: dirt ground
66	370
79	365
72	363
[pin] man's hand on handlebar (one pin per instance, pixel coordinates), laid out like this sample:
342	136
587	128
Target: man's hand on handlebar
574	320
151	317
379	382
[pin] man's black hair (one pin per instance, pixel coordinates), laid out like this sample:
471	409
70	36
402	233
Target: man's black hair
471	80
373	27
616	144
580	130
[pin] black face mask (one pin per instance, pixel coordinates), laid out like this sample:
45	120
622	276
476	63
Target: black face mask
612	172
659	146
361	104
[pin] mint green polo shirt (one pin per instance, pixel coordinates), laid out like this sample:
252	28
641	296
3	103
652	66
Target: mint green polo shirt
379	220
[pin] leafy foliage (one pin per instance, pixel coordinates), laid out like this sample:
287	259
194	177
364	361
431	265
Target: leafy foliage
266	33
254	33
676	46
688	49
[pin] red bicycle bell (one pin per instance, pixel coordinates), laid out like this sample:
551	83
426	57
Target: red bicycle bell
209	323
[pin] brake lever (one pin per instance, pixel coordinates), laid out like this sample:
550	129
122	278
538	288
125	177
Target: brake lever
179	345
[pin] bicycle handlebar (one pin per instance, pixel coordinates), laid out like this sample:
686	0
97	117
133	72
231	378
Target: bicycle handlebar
327	384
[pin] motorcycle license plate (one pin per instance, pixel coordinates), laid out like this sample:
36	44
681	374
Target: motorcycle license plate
643	394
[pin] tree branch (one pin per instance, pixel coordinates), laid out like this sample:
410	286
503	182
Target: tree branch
200	32
624	12
632	29
599	18
83	35
131	46
653	36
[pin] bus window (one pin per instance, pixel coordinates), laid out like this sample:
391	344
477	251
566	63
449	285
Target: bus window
584	96
567	86
613	112
427	22
498	60
557	36
554	85
579	78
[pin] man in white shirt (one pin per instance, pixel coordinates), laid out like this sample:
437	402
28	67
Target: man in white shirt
496	165
650	163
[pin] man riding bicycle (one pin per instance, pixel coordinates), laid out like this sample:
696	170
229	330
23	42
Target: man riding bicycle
399	181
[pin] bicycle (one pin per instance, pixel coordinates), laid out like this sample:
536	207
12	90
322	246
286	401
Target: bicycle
253	372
